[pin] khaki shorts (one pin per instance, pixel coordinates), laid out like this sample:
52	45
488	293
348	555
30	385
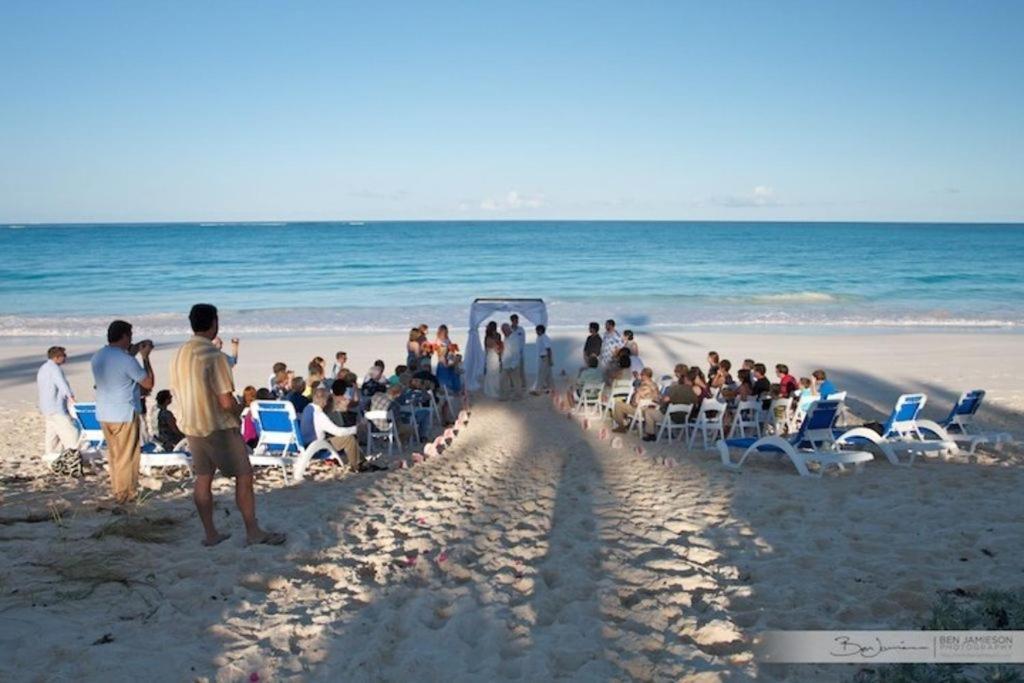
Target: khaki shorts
222	450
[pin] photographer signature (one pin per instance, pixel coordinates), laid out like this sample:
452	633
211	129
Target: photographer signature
849	648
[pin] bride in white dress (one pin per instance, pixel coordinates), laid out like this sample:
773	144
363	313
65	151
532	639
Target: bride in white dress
492	369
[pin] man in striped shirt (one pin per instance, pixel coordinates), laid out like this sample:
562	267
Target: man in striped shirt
204	390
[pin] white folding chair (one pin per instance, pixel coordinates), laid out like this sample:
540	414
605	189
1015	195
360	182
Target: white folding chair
375	433
670	425
710	421
407	414
747	416
620	390
775	420
589	398
636	420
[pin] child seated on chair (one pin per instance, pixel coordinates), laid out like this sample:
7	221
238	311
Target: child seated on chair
805	396
168	435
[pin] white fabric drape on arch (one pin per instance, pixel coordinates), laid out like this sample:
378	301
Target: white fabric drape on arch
533	310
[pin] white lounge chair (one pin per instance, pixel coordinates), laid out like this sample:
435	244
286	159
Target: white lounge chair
813	443
902	434
154	456
959	425
280	442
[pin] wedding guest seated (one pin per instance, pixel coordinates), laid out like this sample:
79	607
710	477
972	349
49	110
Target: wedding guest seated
279	384
416	399
381	376
762	385
700	389
387	401
745	386
167	433
679	392
264	394
823	385
805	396
621	367
591	374
787	383
722	381
313	382
373	384
295	396
428	380
646	390
400	371
713	363
340	358
316	425
250	431
344	405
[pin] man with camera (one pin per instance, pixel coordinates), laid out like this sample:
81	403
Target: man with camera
120	380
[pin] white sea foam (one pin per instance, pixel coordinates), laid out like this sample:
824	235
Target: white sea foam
272	322
798	298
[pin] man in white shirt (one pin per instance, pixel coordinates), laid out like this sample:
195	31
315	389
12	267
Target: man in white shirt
54	396
520	335
545	362
512	385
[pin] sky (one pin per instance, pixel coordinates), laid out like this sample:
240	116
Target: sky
237	111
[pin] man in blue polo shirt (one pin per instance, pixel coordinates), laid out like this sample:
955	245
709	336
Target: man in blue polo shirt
119	380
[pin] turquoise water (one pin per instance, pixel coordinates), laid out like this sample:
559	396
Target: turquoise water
71	280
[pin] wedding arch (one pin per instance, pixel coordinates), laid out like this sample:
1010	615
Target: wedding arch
533	310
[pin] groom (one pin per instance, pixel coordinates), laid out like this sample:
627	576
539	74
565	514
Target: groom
511	363
520	335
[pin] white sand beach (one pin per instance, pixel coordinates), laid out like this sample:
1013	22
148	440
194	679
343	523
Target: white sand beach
531	549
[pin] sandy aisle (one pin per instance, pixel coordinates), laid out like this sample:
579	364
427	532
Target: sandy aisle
531	549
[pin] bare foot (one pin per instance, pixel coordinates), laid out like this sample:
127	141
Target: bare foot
219	538
266	538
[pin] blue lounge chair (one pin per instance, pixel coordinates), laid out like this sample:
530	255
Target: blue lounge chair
91	433
280	442
814	442
902	434
959	425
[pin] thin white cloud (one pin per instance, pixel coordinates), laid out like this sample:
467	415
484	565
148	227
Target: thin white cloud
512	201
761	195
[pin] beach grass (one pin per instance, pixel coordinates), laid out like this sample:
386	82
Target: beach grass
960	610
140	529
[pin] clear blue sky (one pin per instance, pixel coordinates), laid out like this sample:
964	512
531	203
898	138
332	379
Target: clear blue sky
328	110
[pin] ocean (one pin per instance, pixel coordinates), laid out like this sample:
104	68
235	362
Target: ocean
71	280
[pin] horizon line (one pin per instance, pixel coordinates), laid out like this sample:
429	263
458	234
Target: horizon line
270	222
